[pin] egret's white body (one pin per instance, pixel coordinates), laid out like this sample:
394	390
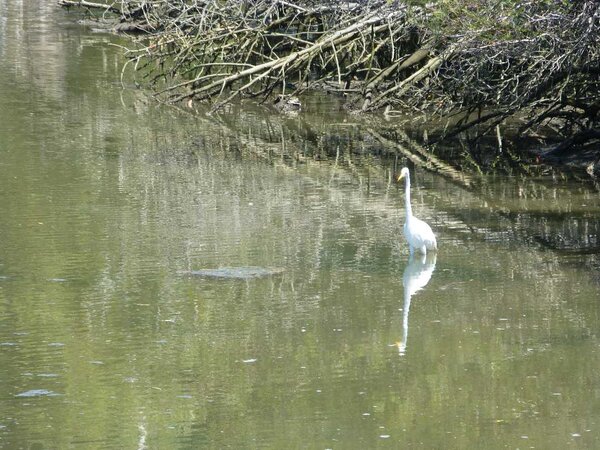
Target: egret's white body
419	235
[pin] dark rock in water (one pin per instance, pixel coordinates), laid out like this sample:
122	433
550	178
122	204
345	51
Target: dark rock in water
234	273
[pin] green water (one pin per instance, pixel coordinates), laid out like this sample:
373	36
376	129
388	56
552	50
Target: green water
107	198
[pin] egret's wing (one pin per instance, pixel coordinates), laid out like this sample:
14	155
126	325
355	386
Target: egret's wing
422	233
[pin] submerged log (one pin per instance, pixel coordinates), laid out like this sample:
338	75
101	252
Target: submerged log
233	273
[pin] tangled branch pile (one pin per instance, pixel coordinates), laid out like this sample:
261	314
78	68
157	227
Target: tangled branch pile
475	63
540	63
218	50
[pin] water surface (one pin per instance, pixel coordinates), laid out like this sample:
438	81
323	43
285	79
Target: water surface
107	200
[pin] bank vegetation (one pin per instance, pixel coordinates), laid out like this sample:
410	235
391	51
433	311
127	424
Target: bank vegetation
495	69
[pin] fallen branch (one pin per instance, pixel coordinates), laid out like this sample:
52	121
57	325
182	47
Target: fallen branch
399	89
86	4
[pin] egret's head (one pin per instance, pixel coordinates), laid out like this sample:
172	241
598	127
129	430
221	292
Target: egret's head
403	173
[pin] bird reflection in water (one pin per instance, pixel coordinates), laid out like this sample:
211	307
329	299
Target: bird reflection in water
417	274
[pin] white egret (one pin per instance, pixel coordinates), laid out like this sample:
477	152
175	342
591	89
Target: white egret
419	235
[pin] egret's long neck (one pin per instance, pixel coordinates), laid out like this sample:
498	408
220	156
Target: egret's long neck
407	197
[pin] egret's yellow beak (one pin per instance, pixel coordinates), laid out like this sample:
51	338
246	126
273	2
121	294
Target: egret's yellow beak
400	177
